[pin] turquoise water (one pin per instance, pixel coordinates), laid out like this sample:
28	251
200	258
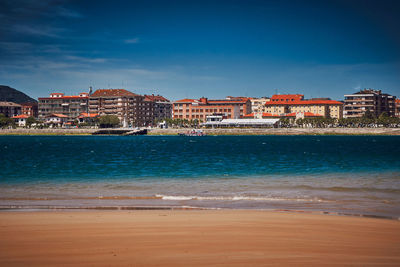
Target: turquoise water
356	174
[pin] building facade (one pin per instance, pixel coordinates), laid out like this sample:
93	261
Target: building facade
162	107
258	104
131	109
282	105
10	109
30	109
355	105
397	112
58	103
191	109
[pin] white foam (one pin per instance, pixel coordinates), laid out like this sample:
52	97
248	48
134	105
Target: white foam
238	198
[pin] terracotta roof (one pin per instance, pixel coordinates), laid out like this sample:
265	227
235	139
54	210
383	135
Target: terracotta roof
305	102
227	101
23	116
112	92
287	97
58	115
186	100
398	101
156	98
88	115
306	114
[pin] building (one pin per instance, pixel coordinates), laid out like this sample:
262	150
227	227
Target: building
131	109
88	118
230	108
355	105
285	104
257	104
58	103
397	113
162	106
10	109
20	120
30	109
56	119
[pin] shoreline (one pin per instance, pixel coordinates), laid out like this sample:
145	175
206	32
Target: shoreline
195	238
216	132
50	208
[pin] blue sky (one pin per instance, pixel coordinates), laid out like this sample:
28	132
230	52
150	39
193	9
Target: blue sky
191	49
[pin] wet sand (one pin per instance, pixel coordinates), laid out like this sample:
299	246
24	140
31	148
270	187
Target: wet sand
195	238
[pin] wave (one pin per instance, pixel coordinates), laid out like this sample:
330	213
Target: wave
168	197
239	198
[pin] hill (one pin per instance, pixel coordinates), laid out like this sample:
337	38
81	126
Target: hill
13	95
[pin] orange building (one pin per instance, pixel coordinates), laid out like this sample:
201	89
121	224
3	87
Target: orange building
230	108
286	104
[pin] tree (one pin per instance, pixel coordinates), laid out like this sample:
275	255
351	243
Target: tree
108	121
4	121
30	121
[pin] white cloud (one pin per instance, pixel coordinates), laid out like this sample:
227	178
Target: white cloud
132	41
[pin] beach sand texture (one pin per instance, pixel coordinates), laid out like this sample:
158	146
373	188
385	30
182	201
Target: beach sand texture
195	238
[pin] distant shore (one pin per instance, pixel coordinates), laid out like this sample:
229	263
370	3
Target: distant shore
220	131
195	238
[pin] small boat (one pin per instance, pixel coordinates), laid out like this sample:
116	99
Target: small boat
194	132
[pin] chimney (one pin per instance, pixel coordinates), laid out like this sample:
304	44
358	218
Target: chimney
203	100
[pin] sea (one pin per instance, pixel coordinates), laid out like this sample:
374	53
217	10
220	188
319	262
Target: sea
355	175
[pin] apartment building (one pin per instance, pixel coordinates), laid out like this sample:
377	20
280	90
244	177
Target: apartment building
162	106
58	103
131	109
10	109
258	104
355	105
397	113
30	109
286	104
230	108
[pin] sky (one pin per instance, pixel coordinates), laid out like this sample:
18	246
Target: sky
190	49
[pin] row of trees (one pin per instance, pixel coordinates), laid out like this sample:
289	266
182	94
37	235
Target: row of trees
367	120
6	122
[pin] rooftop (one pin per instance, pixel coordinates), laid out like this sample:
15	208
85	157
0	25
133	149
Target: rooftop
9	104
112	92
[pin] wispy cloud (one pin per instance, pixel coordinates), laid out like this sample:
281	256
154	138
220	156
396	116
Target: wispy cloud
69	13
86	59
132	41
46	31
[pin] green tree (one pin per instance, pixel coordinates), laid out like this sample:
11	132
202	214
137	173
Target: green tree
30	121
5	121
108	121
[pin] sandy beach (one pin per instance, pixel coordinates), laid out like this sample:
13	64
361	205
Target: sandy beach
195	238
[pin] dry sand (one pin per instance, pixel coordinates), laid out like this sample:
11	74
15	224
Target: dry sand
195	238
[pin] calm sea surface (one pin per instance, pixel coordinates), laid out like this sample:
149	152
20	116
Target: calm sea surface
351	174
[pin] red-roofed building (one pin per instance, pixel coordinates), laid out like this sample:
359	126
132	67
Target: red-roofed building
87	117
286	104
131	109
231	108
20	119
58	103
162	106
56	119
